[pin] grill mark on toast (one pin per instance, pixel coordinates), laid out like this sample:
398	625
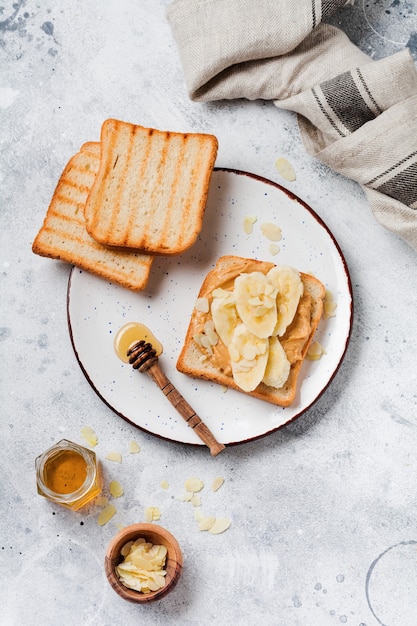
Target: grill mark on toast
117	197
96	219
137	196
170	151
195	176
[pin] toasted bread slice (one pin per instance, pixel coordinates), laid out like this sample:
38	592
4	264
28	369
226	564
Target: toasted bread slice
192	362
151	189
63	234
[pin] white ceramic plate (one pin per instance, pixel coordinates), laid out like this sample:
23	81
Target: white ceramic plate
98	309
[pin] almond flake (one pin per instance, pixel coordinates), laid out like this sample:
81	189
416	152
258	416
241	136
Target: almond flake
217	483
115	457
220	525
134	448
116	489
248	223
329	306
194	484
152	514
202	305
101	501
196	500
164	484
106	514
185	497
89	436
315	351
285	168
274	248
207	523
271	231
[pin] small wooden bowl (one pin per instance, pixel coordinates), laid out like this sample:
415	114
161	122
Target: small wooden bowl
155	535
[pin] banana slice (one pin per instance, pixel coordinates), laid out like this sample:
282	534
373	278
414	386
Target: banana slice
278	366
256	303
224	314
248	356
289	286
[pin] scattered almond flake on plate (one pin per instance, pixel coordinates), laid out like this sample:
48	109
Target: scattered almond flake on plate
285	168
220	525
315	351
271	231
248	223
274	248
106	514
152	514
134	448
329	306
217	483
194	485
116	489
115	457
164	484
89	436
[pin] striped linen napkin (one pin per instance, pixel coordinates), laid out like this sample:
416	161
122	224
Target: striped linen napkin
356	115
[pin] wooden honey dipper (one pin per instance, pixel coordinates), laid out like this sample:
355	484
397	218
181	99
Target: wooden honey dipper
144	358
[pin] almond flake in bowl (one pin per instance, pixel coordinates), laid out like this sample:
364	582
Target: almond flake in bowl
156	536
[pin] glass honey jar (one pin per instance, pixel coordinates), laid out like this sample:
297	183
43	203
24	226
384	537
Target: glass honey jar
68	474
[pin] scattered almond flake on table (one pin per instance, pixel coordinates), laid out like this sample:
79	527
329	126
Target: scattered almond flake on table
215	525
217	483
196	499
271	231
119	526
206	523
164	484
274	248
116	489
248	223
185	497
220	525
106	514
102	501
315	351
89	436
134	448
285	168
329	306
194	485
115	457
152	514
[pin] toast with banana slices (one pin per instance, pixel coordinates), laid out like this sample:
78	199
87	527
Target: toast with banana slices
251	327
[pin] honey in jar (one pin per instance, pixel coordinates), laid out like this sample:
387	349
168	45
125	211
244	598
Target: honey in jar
67	474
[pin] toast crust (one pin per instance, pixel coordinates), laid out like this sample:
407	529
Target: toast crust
63	235
151	188
191	360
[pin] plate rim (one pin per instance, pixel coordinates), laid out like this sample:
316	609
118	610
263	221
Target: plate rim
316	216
